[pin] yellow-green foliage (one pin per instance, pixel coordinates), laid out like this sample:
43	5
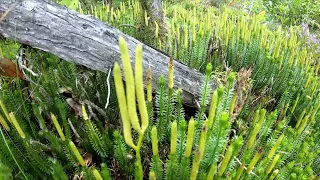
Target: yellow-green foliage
200	34
254	158
58	127
4	123
190	137
241	130
76	153
17	125
127	100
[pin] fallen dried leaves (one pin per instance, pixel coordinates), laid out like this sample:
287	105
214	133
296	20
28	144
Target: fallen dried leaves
9	69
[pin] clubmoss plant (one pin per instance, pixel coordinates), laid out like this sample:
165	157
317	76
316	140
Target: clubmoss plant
128	112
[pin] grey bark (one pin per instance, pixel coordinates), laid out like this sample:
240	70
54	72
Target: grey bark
155	13
153	7
85	40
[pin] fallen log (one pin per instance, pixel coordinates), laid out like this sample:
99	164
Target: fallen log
85	40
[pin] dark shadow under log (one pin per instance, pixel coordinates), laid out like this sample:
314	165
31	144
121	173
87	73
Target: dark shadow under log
85	40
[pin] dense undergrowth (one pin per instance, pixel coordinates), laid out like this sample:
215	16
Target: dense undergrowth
261	123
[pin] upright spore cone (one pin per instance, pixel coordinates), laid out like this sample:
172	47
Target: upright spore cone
149	85
122	105
130	85
140	90
170	74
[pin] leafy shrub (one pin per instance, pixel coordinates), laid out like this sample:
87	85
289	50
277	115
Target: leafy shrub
294	12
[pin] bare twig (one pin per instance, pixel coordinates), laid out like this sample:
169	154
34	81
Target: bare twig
73	129
5	14
101	111
92	113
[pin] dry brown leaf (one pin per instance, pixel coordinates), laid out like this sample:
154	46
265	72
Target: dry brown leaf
76	106
9	69
87	158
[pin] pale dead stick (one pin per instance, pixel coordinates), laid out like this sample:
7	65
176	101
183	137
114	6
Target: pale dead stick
7	11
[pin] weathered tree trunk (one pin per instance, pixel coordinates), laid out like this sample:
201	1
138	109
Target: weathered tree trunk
155	13
153	7
85	40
